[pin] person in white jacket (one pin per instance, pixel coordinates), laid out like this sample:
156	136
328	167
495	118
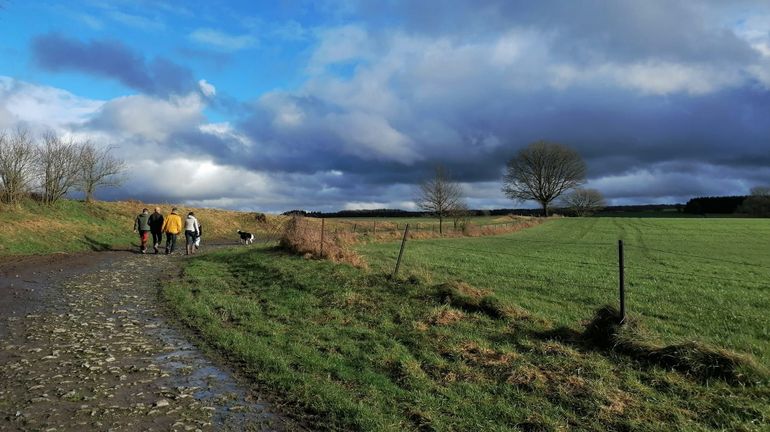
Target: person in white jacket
191	230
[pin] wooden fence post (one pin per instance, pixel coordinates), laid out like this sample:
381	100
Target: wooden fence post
401	251
621	282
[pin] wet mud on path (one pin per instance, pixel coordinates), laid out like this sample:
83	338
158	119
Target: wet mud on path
84	345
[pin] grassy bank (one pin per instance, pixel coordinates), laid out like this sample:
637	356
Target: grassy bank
69	226
353	350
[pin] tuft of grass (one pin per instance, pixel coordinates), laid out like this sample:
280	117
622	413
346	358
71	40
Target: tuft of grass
694	359
352	349
470	299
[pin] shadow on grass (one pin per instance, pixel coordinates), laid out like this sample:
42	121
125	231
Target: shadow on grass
96	245
694	359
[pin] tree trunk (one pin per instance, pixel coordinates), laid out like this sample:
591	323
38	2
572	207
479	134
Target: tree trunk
545	209
440	225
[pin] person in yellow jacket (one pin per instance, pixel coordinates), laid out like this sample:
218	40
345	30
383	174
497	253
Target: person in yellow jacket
172	226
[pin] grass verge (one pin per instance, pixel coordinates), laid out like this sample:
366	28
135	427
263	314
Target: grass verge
354	350
72	226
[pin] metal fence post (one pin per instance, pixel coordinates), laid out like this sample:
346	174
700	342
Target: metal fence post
401	251
621	282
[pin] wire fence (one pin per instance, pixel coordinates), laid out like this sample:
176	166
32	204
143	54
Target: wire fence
652	274
590	264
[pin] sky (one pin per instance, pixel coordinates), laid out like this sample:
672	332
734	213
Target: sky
330	105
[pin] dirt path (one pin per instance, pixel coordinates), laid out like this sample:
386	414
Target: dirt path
84	346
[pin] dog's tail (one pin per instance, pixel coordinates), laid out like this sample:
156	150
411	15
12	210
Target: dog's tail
239	231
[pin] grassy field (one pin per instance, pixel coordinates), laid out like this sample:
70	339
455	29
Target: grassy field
70	226
689	278
352	349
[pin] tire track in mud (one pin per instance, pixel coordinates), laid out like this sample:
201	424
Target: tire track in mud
97	354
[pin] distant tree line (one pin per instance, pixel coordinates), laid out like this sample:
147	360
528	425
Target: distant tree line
388	213
714	204
51	166
757	204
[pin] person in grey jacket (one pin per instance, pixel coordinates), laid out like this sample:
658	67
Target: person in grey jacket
142	226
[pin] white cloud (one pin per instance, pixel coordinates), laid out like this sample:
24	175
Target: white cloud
136	21
207	89
356	205
223	41
286	113
42	107
197	179
372	137
150	117
238	142
340	44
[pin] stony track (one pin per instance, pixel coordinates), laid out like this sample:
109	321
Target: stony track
85	345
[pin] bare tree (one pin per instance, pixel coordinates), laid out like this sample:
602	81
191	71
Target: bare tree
17	162
584	202
542	171
58	166
439	196
460	215
98	168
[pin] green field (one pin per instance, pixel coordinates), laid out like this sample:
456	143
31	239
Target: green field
351	349
690	278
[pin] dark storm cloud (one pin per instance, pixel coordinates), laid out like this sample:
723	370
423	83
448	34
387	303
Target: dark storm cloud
615	134
623	29
661	98
111	59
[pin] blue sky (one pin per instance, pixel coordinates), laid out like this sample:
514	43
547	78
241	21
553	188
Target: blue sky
349	104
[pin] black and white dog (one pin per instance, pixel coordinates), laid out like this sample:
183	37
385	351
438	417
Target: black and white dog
246	238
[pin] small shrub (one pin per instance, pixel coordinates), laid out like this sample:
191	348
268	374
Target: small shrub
303	237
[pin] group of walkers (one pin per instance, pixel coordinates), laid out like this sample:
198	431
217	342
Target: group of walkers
171	225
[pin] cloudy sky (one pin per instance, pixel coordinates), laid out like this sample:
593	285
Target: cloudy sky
275	105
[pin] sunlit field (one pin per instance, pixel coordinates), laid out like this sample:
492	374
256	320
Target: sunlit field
493	333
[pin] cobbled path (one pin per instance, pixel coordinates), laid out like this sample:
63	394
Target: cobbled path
99	355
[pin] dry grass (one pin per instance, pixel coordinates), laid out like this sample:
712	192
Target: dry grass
471	299
68	222
483	356
216	223
302	236
383	231
445	315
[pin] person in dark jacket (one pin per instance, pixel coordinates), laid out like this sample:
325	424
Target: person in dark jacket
156	227
142	226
